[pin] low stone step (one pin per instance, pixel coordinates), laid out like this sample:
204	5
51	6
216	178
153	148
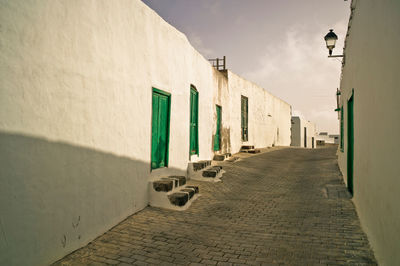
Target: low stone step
190	191
254	151
179	198
210	173
163	185
174	181
232	159
217	168
221	157
197	166
247	147
196	188
179	180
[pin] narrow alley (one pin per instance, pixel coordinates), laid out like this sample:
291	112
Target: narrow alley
287	206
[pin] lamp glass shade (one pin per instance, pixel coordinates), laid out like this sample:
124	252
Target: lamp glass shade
330	43
330	39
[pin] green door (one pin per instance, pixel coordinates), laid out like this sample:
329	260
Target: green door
160	129
245	118
217	137
350	144
194	121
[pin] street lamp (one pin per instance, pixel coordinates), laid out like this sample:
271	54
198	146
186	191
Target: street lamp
330	40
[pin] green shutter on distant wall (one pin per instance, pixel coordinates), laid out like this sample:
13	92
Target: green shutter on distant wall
194	124
217	136
160	129
245	118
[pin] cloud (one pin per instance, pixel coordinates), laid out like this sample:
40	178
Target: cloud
198	44
299	72
214	7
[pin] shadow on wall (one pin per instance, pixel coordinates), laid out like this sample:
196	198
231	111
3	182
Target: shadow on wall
226	139
56	197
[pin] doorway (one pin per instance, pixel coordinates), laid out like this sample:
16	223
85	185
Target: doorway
305	137
194	121
160	129
350	144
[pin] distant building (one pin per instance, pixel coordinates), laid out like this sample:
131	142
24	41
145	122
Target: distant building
303	133
325	138
370	122
336	138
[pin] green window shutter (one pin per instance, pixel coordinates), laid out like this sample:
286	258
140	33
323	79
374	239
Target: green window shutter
217	136
244	117
194	124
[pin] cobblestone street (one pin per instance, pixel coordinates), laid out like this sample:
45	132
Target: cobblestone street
287	206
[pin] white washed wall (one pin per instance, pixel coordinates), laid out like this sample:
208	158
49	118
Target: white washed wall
372	70
266	114
75	118
299	123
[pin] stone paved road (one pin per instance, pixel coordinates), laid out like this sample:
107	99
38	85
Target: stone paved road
283	207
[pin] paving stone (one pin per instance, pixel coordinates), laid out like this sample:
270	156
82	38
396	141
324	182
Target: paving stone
270	209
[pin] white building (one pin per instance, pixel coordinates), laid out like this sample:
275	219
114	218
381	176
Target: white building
97	98
303	133
370	122
328	138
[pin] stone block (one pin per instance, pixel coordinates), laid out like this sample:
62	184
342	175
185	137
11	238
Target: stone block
179	198
254	151
217	168
247	147
219	157
196	188
188	190
209	173
163	185
175	181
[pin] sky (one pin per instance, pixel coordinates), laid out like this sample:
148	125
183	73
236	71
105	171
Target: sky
278	44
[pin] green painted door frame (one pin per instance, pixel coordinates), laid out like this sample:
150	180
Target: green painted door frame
342	129
217	136
161	102
194	121
350	144
245	118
